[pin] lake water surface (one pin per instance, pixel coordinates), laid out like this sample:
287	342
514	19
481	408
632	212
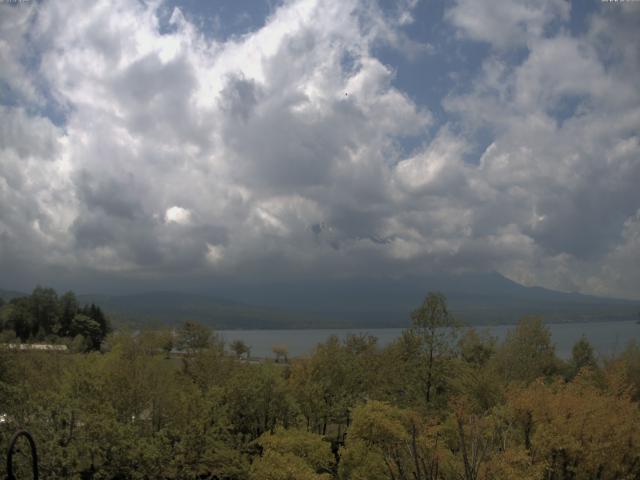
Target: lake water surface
606	337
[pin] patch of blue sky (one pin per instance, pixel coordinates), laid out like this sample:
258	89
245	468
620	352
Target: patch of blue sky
8	97
221	19
453	63
349	62
569	106
48	108
45	104
478	143
447	67
54	111
580	15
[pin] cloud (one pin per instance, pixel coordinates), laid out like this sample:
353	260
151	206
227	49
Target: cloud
564	154
138	151
506	25
178	215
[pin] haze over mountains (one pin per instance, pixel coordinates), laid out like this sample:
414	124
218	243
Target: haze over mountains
474	298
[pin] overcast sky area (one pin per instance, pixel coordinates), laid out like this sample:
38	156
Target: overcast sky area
168	144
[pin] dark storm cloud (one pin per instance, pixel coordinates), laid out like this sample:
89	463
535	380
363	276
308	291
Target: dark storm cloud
239	97
584	224
117	197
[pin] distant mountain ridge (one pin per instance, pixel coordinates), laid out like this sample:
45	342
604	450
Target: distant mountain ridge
474	298
7	295
173	307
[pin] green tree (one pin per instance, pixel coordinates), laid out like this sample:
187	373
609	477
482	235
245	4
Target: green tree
44	307
95	312
208	367
88	328
20	318
194	336
68	308
432	335
582	355
527	353
164	339
329	383
8	336
239	348
278	466
476	349
293	447
258	399
387	442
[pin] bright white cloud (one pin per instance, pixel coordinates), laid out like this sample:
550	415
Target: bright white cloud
184	155
178	215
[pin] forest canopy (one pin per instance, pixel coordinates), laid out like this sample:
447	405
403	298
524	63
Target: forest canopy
45	316
440	403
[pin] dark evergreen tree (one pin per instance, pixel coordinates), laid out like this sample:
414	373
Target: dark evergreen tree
44	307
89	329
44	313
21	319
68	309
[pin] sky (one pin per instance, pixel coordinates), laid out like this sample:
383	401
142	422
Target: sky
185	144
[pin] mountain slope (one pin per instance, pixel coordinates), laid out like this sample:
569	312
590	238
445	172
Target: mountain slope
155	308
473	298
7	295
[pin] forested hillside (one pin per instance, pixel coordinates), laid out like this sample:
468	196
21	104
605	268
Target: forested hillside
440	403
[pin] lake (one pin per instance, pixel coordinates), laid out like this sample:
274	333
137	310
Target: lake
606	337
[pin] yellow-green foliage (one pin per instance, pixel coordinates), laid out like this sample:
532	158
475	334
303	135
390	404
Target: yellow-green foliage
283	466
350	411
294	454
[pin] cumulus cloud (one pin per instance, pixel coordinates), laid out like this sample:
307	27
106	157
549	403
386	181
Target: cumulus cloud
506	25
564	154
135	150
178	215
